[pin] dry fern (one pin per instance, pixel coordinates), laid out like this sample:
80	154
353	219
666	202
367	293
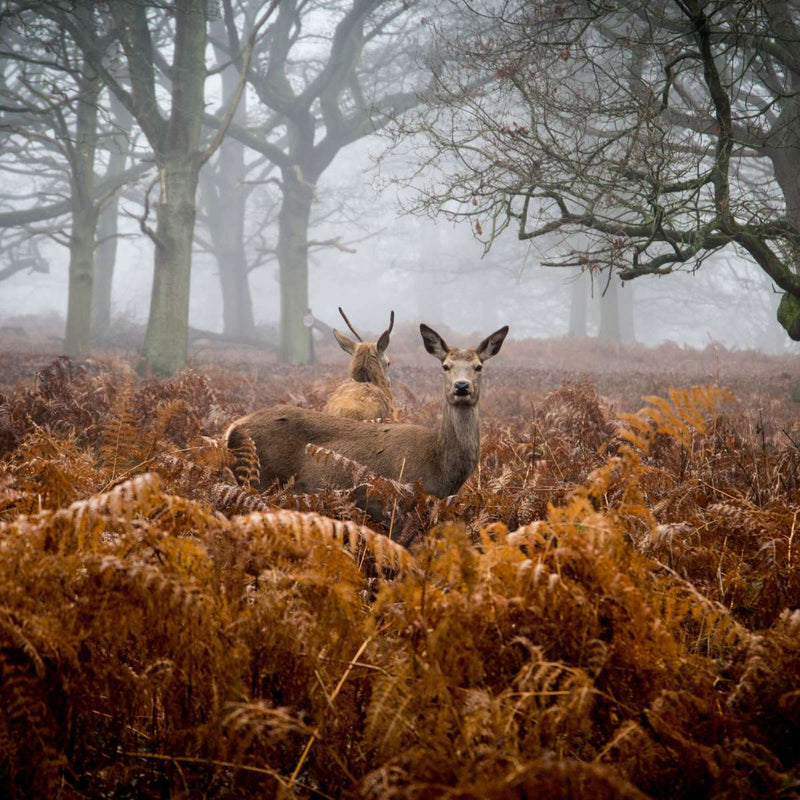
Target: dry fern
172	633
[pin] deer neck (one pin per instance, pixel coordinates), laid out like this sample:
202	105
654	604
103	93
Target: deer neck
459	444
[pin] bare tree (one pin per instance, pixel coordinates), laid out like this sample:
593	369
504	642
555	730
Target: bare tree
172	124
663	131
51	131
319	92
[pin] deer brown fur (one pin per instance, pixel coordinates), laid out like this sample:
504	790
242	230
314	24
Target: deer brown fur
440	459
367	395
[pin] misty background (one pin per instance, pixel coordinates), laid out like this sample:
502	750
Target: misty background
433	271
369	254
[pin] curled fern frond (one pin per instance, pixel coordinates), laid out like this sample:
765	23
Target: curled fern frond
244	460
309	529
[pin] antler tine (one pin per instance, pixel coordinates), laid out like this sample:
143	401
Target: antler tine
344	317
391	322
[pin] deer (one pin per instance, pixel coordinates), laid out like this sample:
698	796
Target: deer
366	396
439	459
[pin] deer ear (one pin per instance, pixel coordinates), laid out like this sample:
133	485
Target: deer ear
383	342
434	343
345	342
491	345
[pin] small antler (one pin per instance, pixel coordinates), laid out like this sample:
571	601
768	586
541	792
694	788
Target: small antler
344	317
391	323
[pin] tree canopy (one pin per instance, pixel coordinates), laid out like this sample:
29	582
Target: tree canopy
663	131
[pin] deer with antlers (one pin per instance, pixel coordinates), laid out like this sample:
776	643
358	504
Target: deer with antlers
366	396
440	459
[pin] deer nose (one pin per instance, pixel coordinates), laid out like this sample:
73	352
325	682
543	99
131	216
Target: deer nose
461	388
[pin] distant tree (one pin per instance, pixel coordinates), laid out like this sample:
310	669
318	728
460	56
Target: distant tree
171	121
224	193
326	75
225	190
578	307
118	145
663	131
51	129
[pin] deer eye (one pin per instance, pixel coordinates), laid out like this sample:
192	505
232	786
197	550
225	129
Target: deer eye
478	367
446	367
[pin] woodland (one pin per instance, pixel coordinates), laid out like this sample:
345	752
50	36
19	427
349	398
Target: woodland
607	609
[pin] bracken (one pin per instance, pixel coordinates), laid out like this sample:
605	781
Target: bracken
606	609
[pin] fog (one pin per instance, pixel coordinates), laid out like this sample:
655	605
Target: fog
370	255
432	270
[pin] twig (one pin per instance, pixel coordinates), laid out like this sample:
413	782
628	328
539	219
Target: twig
143	226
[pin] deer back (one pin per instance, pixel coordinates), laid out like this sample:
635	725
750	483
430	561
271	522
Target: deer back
367	395
364	401
281	434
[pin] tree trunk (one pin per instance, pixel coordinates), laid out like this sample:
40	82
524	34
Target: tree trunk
225	205
429	288
228	197
179	156
609	313
105	256
79	304
237	305
293	222
784	156
81	154
578	307
166	339
627	329
106	250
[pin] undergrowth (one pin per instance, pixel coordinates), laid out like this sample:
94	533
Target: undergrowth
608	609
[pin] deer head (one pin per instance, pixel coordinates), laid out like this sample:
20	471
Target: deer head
462	368
370	363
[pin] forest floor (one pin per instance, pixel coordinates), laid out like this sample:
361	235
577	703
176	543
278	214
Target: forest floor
610	607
